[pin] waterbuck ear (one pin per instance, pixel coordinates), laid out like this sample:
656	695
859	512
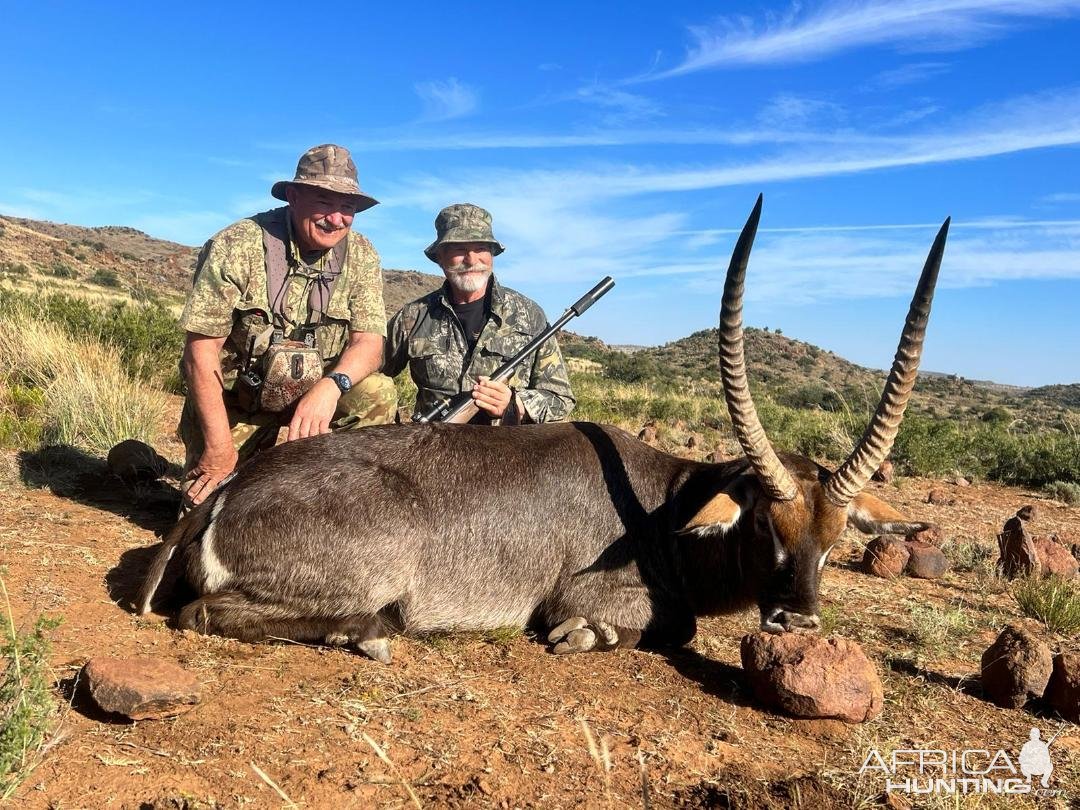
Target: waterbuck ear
717	517
872	515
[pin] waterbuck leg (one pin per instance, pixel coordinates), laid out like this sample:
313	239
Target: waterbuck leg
234	615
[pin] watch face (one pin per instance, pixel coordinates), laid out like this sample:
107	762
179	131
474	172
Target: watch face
343	382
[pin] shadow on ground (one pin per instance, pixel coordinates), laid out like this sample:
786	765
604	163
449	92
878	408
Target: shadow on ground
78	476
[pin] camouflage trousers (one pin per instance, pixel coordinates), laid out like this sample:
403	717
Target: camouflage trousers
371	401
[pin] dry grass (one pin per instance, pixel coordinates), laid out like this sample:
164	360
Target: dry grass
89	401
1053	601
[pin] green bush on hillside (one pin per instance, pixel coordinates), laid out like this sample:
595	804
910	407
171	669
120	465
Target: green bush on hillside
105	278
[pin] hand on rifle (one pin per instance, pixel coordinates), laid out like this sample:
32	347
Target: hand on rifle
492	397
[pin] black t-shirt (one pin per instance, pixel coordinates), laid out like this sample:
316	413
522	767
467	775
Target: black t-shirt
472	317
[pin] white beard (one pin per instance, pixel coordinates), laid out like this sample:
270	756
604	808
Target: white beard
468	280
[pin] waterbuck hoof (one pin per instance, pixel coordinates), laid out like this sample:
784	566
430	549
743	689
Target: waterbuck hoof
560	631
578	634
576	641
376	648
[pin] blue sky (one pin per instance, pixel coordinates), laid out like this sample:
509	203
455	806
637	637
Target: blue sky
607	139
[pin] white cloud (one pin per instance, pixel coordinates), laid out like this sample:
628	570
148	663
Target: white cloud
446	99
904	75
837	25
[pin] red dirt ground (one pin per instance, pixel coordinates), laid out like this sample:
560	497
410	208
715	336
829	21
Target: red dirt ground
495	721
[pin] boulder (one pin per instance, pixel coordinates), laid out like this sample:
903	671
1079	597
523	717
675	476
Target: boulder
811	676
932	534
884	473
1063	690
1028	513
1018	556
1015	668
925	561
885	557
135	462
960	481
1054	559
939	497
141	688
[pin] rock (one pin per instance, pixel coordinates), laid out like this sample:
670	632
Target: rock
1063	690
884	473
1028	513
1018	556
939	497
694	440
932	535
1015	668
885	557
135	462
141	688
812	676
648	434
1055	559
960	481
925	561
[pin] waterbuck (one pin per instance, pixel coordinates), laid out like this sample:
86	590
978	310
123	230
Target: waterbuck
578	529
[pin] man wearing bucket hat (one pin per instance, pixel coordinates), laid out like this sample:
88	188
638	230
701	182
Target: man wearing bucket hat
295	278
452	339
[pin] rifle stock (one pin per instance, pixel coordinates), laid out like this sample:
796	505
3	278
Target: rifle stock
460	408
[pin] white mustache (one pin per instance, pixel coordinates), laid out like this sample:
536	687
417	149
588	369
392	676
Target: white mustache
470	268
326	225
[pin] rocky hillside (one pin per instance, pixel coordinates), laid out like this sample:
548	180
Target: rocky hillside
116	263
119	262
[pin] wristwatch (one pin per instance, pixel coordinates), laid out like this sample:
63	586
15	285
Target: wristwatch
342	381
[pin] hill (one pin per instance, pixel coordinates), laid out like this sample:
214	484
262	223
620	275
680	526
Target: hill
115	263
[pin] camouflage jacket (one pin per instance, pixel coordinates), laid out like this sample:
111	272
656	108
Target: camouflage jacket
427	336
229	298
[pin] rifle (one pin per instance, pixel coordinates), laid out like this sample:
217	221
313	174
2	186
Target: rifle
460	408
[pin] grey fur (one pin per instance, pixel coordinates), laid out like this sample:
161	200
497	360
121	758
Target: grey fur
423	528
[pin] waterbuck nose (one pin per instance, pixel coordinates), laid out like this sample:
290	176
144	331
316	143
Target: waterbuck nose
788	621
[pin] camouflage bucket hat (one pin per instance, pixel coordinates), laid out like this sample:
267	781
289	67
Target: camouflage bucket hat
463	222
330	167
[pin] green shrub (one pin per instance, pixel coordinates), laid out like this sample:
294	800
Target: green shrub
61	270
105	278
1053	601
1064	491
26	704
147	337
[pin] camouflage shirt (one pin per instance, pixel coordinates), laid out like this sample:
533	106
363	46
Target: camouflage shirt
427	336
229	297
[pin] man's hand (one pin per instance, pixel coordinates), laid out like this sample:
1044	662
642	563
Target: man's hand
315	410
214	464
491	396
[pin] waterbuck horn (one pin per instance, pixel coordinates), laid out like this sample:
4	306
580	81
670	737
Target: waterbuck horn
877	441
775	479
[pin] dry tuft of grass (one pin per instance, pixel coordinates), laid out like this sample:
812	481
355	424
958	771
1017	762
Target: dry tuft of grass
85	398
26	704
932	626
1052	600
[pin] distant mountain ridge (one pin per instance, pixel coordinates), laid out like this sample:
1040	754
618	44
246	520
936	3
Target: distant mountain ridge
129	263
